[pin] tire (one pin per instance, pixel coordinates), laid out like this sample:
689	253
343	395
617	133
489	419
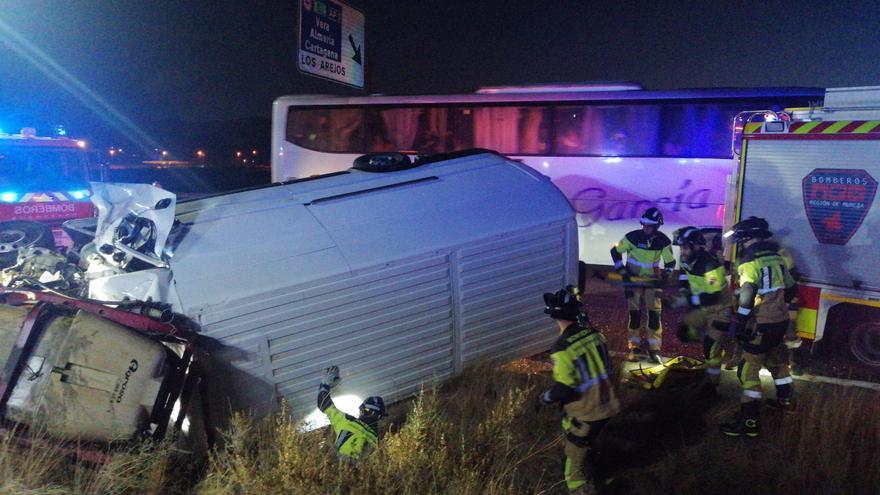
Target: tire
18	234
864	342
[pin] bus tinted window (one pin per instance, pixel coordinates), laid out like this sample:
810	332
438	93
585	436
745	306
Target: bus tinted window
333	130
647	129
608	130
412	130
697	130
511	130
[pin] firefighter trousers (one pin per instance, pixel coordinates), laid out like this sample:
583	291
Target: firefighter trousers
580	441
765	350
712	322
653	304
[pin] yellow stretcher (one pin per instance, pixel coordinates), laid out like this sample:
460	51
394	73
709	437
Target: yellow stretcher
674	370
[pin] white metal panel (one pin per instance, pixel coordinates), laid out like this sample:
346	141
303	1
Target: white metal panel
383	326
501	286
397	282
773	190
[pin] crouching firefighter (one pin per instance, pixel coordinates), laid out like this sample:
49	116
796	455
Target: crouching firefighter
583	385
355	437
703	287
644	249
760	322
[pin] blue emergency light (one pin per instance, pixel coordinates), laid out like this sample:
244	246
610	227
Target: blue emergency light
8	197
80	194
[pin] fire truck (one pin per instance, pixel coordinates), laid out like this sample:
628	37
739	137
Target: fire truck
812	174
43	182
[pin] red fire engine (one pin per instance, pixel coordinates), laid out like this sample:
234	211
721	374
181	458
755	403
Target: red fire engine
42	179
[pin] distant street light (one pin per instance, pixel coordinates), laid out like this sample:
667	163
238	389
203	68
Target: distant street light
238	154
164	154
254	152
200	153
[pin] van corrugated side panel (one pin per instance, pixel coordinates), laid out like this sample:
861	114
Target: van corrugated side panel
389	328
816	195
501	283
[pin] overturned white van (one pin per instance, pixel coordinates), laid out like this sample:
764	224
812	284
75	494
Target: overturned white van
398	273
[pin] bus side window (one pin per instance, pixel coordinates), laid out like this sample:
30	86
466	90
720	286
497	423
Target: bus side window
511	130
337	129
434	133
571	127
534	130
697	130
377	133
462	120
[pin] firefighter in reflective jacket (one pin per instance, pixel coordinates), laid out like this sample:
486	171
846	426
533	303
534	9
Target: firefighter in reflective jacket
355	437
583	385
645	248
703	287
760	322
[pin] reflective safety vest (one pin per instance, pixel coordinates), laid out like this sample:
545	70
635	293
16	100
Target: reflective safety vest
706	278
643	252
764	268
583	374
354	438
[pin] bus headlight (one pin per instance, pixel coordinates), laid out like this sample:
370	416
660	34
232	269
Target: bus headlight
8	197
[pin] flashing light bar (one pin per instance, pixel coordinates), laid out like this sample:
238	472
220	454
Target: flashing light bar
8	197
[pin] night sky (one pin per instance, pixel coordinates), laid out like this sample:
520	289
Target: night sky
194	61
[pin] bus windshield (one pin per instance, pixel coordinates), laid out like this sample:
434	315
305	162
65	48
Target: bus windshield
28	166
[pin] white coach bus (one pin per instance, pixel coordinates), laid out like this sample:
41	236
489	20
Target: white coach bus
613	150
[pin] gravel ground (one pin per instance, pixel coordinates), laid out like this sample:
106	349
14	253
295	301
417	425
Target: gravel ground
607	310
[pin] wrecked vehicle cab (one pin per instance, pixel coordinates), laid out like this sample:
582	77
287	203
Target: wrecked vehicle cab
399	272
85	369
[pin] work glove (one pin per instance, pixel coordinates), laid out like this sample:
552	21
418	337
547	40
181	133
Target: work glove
741	330
541	401
331	376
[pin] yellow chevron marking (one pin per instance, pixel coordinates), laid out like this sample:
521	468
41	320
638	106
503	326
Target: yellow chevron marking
752	127
840	124
806	127
866	127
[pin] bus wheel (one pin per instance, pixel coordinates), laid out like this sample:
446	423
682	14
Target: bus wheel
864	342
18	234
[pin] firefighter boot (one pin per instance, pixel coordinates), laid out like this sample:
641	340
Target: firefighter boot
783	401
746	423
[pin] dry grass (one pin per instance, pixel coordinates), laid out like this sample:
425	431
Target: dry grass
48	467
478	434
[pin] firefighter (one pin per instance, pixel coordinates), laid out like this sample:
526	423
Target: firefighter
355	437
645	248
582	375
703	287
760	322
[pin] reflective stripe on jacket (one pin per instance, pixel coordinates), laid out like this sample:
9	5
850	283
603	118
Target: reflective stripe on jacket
643	252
